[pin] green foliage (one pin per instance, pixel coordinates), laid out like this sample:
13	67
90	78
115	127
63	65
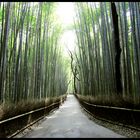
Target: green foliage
33	57
95	61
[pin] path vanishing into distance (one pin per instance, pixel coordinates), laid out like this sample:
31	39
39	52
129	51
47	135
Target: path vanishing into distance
70	122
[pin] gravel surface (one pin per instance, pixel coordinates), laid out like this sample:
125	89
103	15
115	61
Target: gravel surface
127	132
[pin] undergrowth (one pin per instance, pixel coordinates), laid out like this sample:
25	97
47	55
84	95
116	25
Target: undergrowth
9	110
114	101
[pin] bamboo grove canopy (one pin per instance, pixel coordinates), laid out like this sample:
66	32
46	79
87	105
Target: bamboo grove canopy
31	66
101	68
106	62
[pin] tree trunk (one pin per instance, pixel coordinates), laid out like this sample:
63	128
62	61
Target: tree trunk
117	48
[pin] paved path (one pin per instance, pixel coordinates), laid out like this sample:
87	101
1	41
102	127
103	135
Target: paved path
70	122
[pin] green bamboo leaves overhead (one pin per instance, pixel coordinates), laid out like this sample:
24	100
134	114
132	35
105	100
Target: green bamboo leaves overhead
104	69
105	65
31	66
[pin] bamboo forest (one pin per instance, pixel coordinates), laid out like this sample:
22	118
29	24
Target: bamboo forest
46	62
